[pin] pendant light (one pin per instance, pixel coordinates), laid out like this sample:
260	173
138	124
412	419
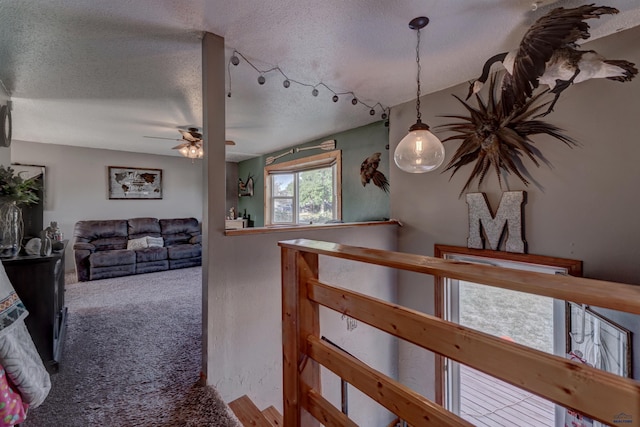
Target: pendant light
420	151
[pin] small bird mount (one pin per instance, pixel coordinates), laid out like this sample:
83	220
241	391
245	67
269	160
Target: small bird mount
369	173
245	188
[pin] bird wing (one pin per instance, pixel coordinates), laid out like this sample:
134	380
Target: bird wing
558	28
368	168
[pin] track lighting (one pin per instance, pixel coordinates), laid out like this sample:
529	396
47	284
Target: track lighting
261	79
235	60
314	92
286	83
354	101
335	98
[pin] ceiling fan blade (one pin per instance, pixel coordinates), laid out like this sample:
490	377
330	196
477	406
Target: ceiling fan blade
228	142
184	144
159	137
188	136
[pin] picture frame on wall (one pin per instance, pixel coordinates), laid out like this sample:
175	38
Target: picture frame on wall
130	183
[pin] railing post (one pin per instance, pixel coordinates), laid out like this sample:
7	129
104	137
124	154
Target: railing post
300	318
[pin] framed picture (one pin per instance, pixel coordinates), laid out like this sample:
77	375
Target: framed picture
134	183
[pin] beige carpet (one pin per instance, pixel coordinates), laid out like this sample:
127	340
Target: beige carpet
132	355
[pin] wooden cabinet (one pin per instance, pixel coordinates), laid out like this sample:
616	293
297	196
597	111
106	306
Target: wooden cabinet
39	282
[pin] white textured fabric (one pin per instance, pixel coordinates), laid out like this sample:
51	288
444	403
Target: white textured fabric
137	243
18	353
21	361
155	242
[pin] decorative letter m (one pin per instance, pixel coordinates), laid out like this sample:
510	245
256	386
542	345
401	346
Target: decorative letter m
509	215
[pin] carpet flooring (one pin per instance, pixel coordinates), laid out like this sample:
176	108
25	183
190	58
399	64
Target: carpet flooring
132	356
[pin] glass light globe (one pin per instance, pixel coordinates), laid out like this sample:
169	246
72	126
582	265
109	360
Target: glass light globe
420	151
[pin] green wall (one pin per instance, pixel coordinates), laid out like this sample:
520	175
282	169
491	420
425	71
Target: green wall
359	203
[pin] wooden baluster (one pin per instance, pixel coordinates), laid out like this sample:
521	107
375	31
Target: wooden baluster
300	318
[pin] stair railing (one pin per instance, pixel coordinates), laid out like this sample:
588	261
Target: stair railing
600	395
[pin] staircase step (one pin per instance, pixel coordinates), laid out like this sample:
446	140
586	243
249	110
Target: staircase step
248	413
273	416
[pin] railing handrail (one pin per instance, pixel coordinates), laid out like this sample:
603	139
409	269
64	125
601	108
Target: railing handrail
600	293
590	391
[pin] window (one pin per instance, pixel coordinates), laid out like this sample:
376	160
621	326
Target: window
304	191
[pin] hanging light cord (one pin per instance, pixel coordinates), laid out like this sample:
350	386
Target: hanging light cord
419	69
355	100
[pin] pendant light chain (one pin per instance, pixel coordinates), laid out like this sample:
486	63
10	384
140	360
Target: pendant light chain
419	69
419	151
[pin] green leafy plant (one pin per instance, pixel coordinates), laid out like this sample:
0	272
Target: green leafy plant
14	188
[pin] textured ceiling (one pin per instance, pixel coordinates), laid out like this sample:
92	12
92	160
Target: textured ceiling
106	74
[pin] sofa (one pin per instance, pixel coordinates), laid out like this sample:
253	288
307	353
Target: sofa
121	247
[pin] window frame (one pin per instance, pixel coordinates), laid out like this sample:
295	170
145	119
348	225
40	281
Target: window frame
318	161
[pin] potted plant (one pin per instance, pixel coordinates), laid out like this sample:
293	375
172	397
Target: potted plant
15	191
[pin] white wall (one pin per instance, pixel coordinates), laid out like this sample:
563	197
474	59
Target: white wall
246	353
583	206
77	188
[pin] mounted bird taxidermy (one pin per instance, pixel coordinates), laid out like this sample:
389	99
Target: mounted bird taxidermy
245	188
369	172
548	55
493	139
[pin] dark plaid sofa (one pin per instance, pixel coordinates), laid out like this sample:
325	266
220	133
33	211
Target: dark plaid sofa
121	247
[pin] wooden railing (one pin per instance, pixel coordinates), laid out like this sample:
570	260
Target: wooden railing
601	395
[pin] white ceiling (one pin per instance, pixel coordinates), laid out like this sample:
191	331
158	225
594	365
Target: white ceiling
105	73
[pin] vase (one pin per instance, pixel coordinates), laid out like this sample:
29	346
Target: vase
11	228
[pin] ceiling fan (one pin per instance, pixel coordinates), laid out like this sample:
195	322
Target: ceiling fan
191	142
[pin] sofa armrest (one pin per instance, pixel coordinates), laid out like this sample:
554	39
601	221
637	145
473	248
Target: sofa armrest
81	246
195	239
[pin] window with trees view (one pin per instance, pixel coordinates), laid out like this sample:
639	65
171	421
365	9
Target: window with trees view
304	191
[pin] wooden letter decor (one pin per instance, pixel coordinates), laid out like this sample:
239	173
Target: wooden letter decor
509	215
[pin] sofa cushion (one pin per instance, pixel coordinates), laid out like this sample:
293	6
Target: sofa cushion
184	251
138	243
141	227
110	243
113	271
153	266
84	246
151	254
112	258
88	231
178	231
184	263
